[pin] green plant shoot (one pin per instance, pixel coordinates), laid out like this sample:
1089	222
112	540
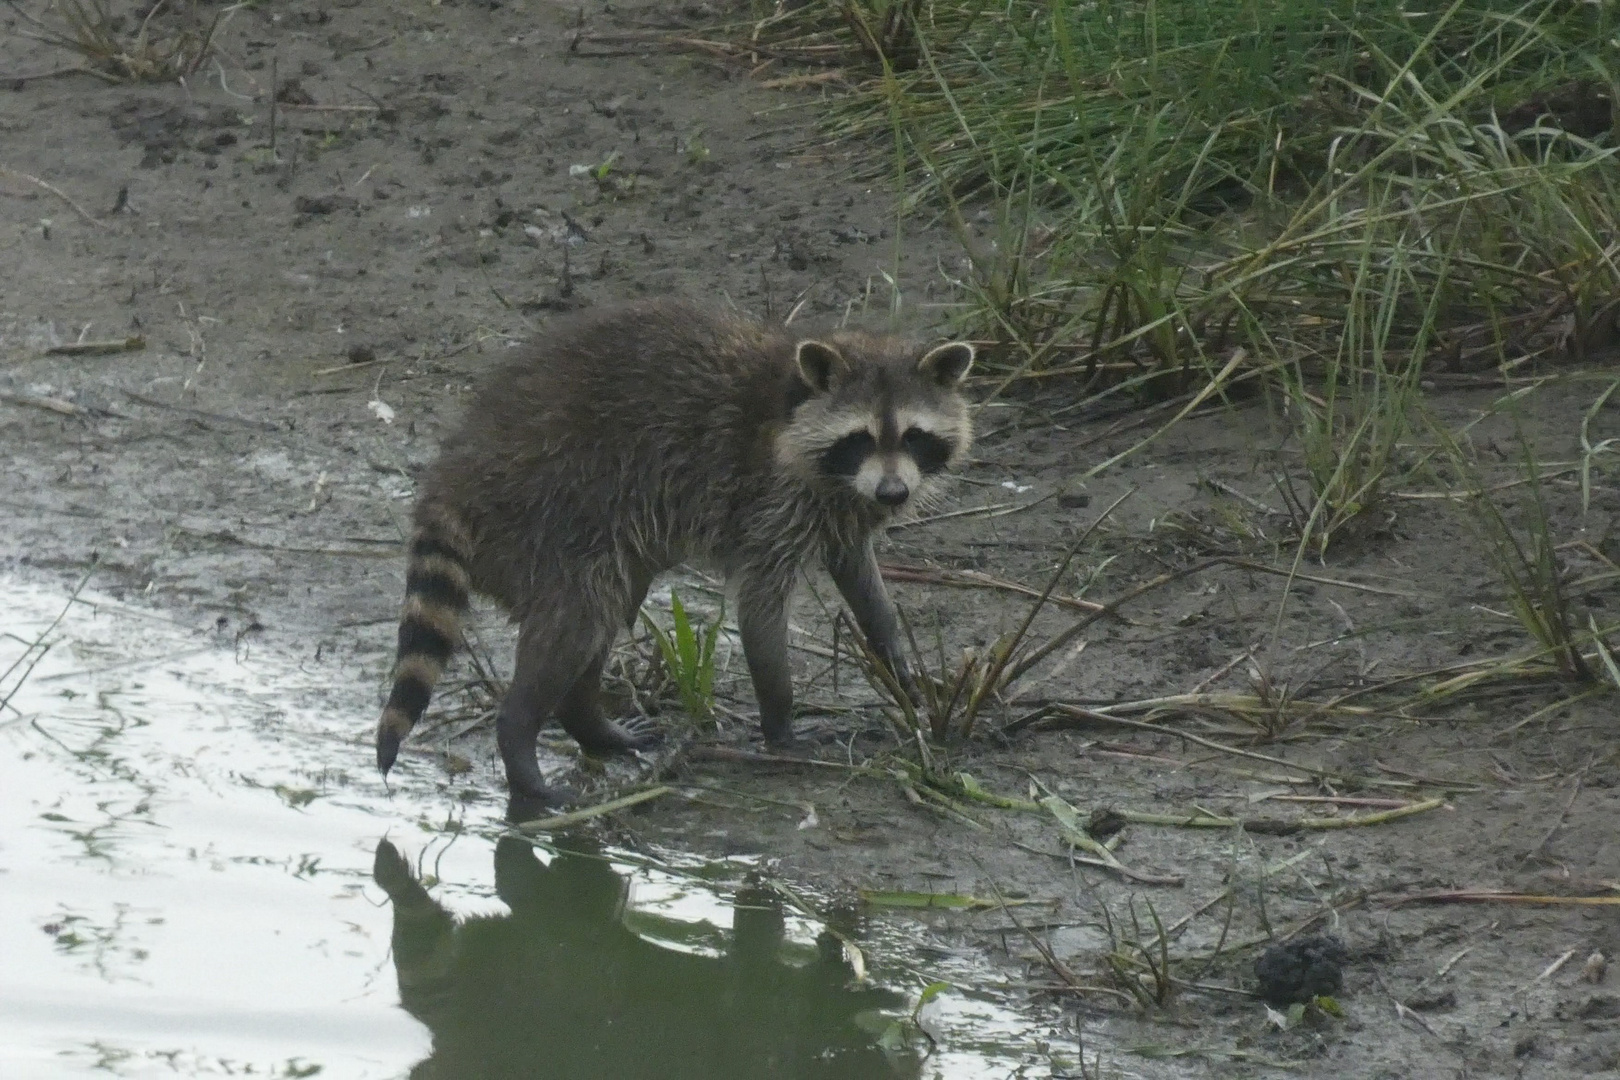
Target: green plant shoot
688	652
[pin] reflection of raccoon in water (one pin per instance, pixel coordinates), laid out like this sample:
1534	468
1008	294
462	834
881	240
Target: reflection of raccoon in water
561	987
643	436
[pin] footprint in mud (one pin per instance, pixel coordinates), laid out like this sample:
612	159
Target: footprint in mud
564	986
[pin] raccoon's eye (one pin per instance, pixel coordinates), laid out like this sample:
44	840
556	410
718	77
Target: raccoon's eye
929	451
846	456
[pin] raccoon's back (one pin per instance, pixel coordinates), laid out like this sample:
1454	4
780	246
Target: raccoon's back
653	417
663	362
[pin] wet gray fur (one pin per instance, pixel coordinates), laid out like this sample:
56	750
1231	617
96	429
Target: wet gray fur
634	438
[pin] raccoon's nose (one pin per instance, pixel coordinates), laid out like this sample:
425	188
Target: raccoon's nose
891	491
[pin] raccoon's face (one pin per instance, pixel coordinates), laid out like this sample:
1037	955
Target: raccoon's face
878	417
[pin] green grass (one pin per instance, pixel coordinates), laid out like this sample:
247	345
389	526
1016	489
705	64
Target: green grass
1139	185
688	652
1515	528
1352	409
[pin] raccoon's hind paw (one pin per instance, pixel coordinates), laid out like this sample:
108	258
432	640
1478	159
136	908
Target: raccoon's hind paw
605	736
642	731
526	803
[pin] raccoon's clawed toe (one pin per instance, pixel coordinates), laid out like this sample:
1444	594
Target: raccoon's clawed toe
642	731
608	737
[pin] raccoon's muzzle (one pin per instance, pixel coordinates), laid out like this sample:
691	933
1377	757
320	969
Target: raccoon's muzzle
436	588
891	490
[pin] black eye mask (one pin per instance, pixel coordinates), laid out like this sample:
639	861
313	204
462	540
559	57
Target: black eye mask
845	457
929	451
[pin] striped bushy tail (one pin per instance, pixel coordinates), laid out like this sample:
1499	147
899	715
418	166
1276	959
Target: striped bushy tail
436	583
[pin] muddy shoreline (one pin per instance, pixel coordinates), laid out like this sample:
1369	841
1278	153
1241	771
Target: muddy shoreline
311	318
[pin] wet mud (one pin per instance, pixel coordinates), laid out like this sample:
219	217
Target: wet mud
192	757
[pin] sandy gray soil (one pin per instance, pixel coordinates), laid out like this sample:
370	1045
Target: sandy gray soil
422	211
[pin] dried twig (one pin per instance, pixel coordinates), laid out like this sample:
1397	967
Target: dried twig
1083	715
132	343
990	510
262	425
563	821
37	648
54	190
1101	864
973	579
1492	896
49	404
732	755
1281	826
1563	816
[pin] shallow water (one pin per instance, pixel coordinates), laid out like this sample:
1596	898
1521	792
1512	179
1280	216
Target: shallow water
200	874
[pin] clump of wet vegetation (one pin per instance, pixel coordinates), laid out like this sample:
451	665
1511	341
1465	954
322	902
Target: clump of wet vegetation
686	650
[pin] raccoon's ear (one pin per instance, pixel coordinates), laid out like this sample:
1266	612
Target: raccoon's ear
819	365
947	364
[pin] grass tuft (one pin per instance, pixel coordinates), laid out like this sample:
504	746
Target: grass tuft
151	52
1522	549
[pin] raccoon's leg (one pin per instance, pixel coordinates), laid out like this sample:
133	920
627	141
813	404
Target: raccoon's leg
762	608
580	712
581	716
855	572
555	648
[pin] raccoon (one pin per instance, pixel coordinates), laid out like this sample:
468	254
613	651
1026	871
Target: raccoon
645	435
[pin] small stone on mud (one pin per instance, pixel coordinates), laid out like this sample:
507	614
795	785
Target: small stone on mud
292	92
324	204
1436	1002
1073	500
1600	1007
1301	970
361	354
1105	822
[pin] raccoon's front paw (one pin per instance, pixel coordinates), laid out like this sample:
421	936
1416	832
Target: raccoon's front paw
787	744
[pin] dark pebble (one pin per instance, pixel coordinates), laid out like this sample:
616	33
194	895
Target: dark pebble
1301	970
